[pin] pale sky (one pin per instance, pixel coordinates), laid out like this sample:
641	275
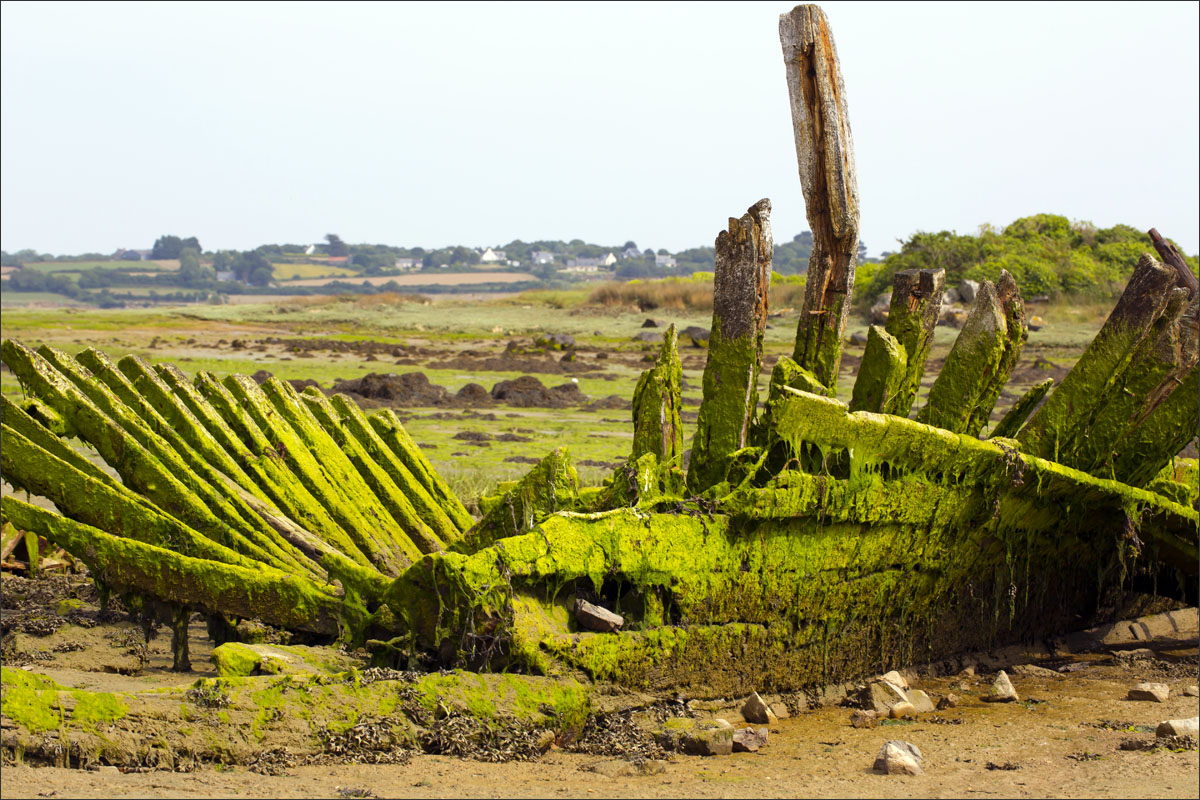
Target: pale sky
439	124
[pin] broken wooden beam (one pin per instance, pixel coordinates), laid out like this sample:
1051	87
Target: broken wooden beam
882	374
1069	407
912	318
656	403
1012	421
1016	333
1171	256
825	154
741	285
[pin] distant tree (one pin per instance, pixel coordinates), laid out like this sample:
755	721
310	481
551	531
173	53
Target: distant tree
336	247
166	247
629	245
191	271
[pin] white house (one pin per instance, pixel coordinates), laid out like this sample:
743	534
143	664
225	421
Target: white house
608	260
308	251
408	263
542	257
631	252
667	261
491	256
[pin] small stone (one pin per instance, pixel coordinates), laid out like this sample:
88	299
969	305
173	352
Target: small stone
748	740
949	701
903	710
780	710
899	758
109	770
595	618
757	711
921	702
967	290
1191	691
1179	727
722	723
649	323
1153	692
696	737
864	719
1002	690
967	672
895	679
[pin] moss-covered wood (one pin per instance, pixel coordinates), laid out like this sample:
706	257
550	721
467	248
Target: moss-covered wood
912	317
741	286
882	374
657	427
1016	416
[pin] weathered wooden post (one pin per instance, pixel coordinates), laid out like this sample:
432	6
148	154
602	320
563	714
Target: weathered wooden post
741	285
825	153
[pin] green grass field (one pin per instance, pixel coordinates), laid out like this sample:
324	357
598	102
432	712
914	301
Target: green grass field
166	265
288	272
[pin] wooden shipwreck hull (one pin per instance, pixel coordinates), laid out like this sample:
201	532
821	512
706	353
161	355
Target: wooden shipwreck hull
804	541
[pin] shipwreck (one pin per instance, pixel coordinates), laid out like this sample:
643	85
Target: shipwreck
788	541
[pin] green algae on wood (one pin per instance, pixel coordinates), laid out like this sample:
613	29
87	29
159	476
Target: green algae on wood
275	597
882	374
741	285
962	388
16	418
912	317
1011	423
1069	406
551	484
657	427
1016	334
393	434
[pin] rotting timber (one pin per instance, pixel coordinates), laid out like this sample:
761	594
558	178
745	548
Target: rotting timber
805	541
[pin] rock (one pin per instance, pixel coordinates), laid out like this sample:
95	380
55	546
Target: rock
879	313
649	324
748	740
858	338
1154	692
1036	323
649	336
864	719
895	679
554	341
920	701
967	672
1179	727
1002	690
967	290
903	710
949	701
899	758
757	711
696	737
1191	691
950	297
1034	671
595	618
881	696
698	336
780	710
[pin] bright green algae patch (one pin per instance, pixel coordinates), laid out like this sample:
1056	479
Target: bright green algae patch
39	704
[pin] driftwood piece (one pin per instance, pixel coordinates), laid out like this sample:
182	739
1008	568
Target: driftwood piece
912	318
1015	336
1020	411
882	374
741	284
1171	256
825	154
1069	407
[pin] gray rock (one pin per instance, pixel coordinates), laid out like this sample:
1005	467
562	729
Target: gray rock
698	336
920	701
949	701
1191	691
748	740
1153	692
696	737
950	297
649	336
864	719
967	290
1179	727
858	338
554	341
649	323
595	618
780	710
899	758
1034	671
757	711
881	696
1002	690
